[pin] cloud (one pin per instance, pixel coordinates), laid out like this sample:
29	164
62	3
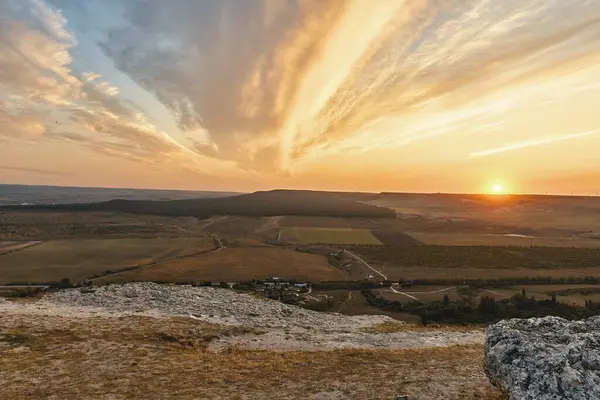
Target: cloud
302	74
279	86
43	99
533	143
37	171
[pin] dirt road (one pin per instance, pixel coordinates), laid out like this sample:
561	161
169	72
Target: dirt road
366	264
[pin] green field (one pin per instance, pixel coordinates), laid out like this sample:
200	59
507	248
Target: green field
311	235
81	259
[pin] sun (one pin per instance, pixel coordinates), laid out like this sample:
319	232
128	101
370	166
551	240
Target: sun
497	188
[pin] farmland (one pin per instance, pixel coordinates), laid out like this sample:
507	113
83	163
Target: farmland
500	239
432	237
80	259
310	235
233	264
520	220
493	257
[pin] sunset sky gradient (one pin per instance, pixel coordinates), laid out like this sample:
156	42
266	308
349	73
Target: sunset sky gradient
242	95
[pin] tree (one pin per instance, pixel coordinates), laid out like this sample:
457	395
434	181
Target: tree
523	293
553	297
487	305
446	299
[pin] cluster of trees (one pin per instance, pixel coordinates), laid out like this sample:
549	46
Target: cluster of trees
500	282
33	291
475	283
487	310
350	285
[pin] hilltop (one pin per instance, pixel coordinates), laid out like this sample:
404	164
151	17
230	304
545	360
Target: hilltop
152	341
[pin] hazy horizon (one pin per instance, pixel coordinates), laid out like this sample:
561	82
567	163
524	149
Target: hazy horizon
470	96
238	192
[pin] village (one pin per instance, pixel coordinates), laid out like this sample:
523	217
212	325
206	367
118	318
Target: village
276	288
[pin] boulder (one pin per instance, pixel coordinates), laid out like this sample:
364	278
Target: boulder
544	358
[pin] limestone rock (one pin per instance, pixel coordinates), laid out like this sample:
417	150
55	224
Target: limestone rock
545	358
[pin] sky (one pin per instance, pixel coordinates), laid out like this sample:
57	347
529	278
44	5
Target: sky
353	95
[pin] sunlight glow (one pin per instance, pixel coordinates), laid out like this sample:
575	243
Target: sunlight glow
497	188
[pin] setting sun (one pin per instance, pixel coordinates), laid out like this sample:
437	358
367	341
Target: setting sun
497	188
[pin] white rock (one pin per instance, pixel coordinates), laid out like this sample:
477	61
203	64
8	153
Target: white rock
207	303
545	358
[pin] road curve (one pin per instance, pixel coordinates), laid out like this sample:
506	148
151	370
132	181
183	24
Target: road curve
404	294
363	262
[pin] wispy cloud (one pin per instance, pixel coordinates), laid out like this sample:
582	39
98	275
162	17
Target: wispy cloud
533	143
274	87
43	98
37	171
302	74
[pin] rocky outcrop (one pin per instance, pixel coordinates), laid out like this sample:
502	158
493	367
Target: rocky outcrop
266	324
545	358
220	306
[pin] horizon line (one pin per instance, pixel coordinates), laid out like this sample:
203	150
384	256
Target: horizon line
571	194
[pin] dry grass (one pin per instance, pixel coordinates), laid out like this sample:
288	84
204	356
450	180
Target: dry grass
140	358
392	327
233	264
80	259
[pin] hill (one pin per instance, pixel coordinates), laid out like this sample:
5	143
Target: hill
270	203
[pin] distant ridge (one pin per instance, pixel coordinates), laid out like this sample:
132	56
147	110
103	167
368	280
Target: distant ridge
269	203
41	194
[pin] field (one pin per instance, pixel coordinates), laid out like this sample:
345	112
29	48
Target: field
489	239
557	221
480	262
475	237
79	259
332	235
234	264
9	247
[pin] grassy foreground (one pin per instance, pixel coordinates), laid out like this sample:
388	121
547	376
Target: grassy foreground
139	357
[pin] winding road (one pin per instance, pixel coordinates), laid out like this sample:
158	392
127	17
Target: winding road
366	264
404	294
410	294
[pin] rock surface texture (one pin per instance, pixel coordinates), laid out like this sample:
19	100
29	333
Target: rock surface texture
268	324
220	306
545	358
